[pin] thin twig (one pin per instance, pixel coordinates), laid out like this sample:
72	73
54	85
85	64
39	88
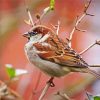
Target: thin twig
30	17
38	20
87	49
64	96
7	94
53	26
87	6
58	27
79	19
44	91
29	14
77	22
48	85
94	65
80	30
97	42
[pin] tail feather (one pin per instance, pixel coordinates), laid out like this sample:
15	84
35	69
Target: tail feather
94	73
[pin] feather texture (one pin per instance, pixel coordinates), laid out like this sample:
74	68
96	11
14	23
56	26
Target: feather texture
52	50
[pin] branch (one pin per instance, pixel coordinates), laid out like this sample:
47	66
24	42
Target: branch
79	19
8	94
39	17
63	96
48	85
87	49
30	17
57	30
46	10
96	42
56	27
94	65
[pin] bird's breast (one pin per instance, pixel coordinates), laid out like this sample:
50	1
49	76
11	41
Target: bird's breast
48	67
30	52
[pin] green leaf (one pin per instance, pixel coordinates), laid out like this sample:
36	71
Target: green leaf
92	97
52	3
49	8
10	71
96	97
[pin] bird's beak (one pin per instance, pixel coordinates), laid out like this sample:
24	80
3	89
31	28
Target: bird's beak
26	35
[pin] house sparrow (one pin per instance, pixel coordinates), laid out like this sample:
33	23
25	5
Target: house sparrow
52	55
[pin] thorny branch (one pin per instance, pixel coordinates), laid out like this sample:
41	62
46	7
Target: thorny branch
79	19
48	85
96	42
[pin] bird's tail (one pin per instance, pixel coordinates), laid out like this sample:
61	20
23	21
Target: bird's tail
94	73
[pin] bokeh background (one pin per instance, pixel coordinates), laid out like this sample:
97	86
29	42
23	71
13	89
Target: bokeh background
12	16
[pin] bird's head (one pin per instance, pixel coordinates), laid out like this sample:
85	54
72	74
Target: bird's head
37	32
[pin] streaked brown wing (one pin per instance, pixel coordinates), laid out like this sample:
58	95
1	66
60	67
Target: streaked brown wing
66	57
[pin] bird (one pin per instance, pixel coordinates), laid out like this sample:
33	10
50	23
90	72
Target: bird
52	55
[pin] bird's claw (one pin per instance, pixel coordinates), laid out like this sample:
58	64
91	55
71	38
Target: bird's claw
51	82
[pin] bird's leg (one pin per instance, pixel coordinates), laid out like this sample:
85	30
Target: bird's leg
90	46
50	81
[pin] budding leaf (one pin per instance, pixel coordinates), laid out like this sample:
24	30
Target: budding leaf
50	7
10	71
92	97
96	97
52	3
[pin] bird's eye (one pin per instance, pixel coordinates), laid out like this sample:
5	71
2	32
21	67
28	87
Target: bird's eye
32	33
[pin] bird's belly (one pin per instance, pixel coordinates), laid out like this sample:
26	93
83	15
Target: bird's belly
52	69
